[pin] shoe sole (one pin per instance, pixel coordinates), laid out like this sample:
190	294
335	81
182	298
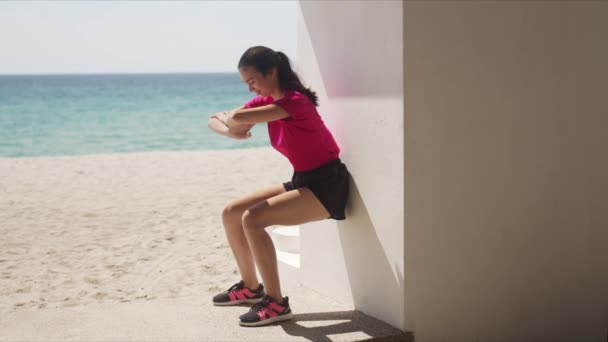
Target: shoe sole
268	321
237	302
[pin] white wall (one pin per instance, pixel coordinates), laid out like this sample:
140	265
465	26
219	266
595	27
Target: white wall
506	164
351	53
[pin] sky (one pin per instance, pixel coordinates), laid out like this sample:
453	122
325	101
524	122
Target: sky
70	37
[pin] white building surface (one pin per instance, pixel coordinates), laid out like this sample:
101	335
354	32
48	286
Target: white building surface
476	133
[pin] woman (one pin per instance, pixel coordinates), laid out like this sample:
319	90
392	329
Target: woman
318	189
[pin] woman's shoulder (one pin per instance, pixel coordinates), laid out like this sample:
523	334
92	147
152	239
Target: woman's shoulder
298	105
292	95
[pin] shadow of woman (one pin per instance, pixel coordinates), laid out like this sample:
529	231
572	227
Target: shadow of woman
353	322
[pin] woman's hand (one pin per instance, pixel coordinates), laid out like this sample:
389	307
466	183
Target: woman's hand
222	116
239	132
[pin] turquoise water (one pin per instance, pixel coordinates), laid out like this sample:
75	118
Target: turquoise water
57	115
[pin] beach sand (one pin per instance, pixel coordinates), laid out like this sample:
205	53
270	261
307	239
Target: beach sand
131	247
122	227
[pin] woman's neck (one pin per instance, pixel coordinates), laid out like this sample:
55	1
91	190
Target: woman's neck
278	94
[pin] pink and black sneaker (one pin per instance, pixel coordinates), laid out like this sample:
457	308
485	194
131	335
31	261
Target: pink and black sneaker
266	312
238	294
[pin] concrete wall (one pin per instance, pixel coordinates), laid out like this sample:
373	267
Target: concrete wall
506	170
350	52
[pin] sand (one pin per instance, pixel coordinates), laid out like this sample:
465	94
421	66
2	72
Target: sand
130	247
123	227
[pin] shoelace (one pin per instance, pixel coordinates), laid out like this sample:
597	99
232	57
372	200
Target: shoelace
261	305
235	287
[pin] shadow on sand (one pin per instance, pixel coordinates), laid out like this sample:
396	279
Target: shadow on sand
354	321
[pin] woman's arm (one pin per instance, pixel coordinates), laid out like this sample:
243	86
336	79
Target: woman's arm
219	127
217	123
242	116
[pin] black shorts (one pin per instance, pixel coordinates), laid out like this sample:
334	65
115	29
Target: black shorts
329	183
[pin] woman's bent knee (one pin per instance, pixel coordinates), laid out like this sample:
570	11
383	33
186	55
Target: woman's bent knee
231	214
253	221
248	220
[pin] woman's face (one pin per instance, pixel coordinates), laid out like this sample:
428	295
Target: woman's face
256	82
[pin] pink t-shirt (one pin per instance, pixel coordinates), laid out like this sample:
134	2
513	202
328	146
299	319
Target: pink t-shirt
302	136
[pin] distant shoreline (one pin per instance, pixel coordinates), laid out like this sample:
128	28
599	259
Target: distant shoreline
122	74
249	149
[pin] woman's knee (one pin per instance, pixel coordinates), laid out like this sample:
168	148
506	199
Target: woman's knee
231	213
253	217
249	220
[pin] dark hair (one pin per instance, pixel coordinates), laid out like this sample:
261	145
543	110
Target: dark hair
263	59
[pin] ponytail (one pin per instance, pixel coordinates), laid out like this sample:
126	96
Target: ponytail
288	79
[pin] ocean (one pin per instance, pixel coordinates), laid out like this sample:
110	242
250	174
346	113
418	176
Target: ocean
66	115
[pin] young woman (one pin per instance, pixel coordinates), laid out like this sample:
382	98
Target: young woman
318	189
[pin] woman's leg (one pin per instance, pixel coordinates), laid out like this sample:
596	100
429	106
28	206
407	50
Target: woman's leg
232	219
290	208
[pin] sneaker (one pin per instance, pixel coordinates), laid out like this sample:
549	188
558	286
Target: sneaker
266	312
238	294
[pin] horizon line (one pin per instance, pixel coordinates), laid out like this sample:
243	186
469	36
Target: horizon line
119	73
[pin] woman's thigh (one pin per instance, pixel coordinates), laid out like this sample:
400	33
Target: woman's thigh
292	208
235	209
